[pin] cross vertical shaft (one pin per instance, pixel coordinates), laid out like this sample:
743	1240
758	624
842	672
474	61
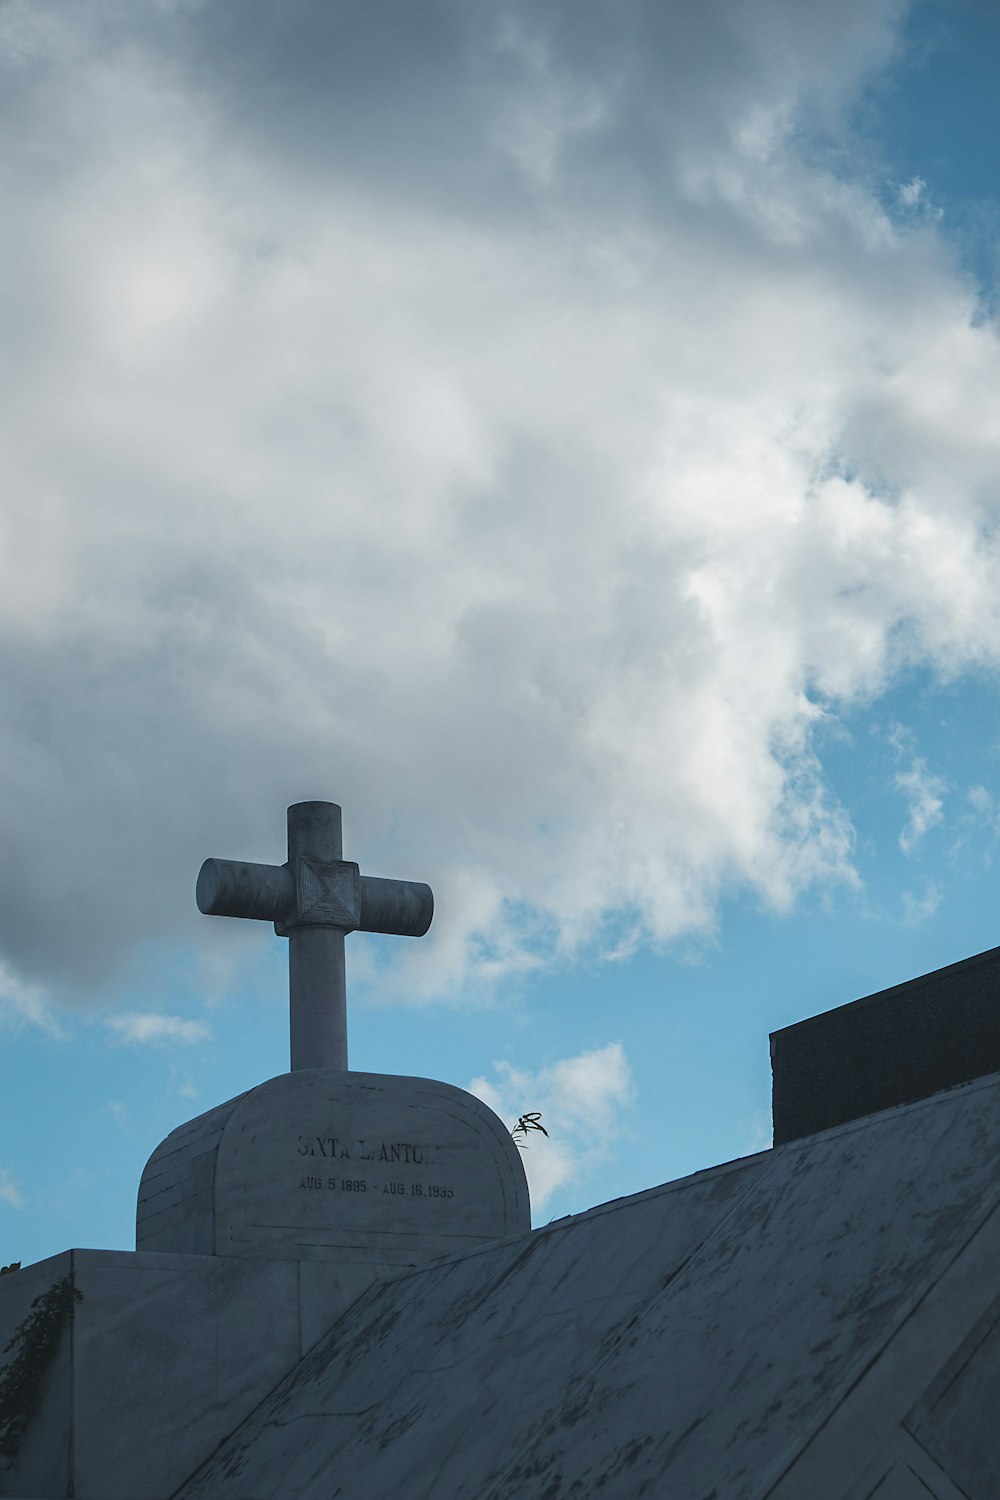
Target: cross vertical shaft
317	981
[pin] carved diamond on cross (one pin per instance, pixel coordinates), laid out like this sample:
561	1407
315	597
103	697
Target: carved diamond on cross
314	899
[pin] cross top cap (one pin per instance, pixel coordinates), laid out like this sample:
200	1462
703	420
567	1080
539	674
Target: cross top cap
314	899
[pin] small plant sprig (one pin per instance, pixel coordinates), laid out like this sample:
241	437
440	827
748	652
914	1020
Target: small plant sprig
532	1121
33	1342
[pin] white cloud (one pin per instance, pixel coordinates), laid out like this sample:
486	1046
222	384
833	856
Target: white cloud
985	808
9	1190
913	197
532	466
923	792
983	802
147	1027
919	909
119	1112
910	193
583	1102
182	1083
980	817
24	1004
757	1131
921	788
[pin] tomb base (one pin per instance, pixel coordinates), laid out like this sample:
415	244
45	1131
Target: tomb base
165	1355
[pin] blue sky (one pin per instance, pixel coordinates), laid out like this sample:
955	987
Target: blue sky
567	436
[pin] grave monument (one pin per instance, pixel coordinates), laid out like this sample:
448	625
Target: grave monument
818	1321
360	1169
261	1220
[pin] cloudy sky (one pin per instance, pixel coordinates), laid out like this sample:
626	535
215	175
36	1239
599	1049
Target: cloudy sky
564	434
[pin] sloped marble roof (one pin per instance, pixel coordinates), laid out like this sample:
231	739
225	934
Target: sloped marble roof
771	1327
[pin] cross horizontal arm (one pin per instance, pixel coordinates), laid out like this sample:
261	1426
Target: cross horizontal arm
401	907
234	888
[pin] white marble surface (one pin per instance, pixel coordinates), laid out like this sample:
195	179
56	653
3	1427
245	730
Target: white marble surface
771	1328
167	1354
44	1459
357	1168
175	1210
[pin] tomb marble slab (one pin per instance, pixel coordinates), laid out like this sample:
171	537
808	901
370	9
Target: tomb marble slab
760	1330
359	1168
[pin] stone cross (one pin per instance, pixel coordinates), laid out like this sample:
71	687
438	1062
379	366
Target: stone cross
313	900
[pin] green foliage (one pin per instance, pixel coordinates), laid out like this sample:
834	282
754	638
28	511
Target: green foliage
34	1342
525	1123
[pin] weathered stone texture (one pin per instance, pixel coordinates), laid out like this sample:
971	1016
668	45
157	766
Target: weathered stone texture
759	1330
164	1352
353	1168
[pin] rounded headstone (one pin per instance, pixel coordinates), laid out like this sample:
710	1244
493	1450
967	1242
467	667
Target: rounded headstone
326	1165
